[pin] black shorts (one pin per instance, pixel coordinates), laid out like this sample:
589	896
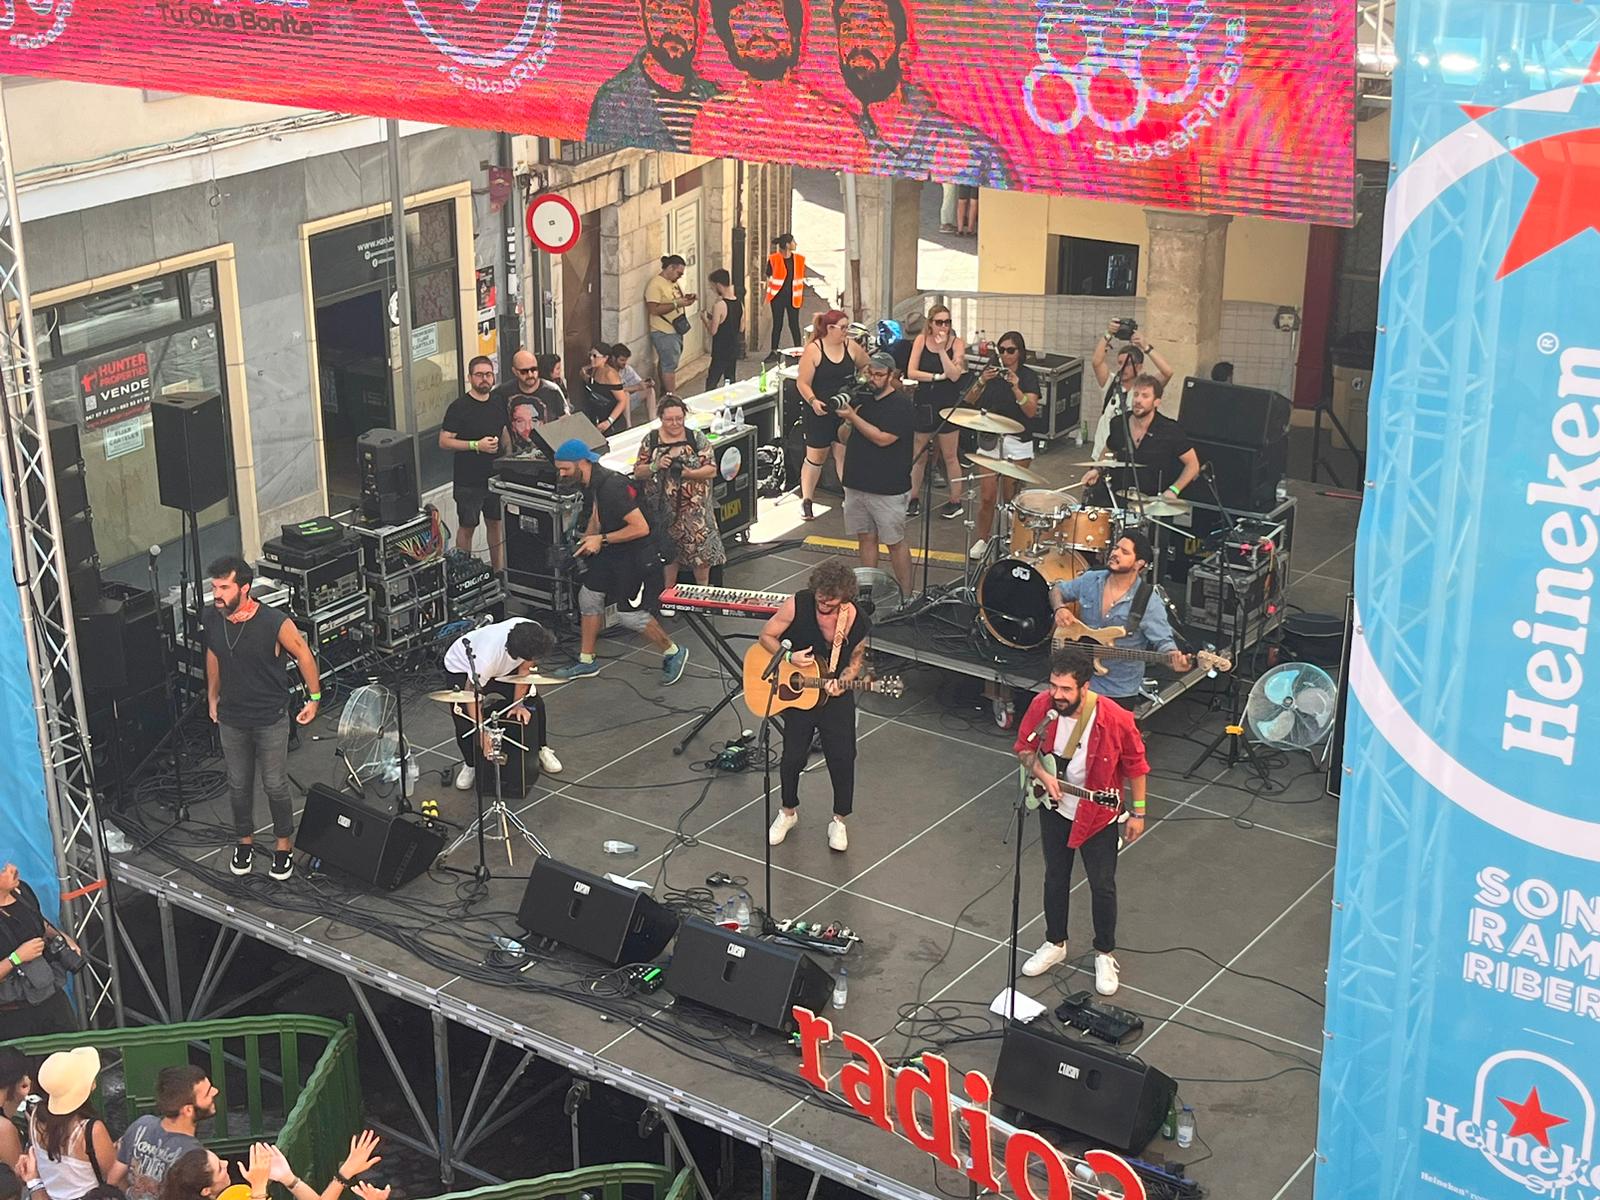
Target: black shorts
475	500
925	418
821	432
966	191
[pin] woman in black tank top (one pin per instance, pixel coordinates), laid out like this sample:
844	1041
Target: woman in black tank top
828	366
938	360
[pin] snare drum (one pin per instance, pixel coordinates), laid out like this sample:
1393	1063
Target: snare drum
1037	517
1014	597
1088	529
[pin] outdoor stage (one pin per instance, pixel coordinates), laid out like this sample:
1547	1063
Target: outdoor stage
1245	878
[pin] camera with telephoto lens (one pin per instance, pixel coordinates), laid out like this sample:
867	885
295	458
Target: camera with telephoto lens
853	396
59	952
1126	326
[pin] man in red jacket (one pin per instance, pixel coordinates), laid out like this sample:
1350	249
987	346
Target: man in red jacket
1071	736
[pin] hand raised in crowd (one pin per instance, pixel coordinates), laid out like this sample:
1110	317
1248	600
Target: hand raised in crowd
1139	340
368	1191
281	1171
361	1157
258	1170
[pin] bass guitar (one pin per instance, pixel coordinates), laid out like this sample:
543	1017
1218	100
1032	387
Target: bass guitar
1100	643
796	686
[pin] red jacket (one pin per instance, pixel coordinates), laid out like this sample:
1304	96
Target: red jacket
1116	752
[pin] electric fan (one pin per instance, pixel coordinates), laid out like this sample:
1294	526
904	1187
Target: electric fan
877	591
1291	707
368	740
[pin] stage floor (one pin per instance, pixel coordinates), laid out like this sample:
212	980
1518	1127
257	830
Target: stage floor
1227	884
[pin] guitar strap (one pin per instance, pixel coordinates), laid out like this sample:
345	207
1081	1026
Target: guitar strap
1141	601
1085	713
841	630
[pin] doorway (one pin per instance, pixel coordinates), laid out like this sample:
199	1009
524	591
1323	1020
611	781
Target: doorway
353	361
580	299
680	234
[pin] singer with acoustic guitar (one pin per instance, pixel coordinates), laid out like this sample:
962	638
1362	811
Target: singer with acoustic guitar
821	625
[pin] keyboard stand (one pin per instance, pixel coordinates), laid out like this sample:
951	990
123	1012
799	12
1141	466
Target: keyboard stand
731	662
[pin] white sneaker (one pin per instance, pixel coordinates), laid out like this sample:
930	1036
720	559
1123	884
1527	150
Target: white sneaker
978	549
466	777
1105	974
781	824
1046	956
548	762
838	839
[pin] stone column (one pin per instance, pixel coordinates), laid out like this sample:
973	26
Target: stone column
1183	293
903	198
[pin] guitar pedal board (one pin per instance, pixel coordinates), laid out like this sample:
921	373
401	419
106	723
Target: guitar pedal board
824	938
1104	1021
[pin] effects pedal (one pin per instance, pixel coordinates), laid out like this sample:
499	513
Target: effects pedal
1104	1021
645	978
831	938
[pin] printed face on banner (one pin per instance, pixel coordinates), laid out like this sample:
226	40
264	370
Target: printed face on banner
1240	106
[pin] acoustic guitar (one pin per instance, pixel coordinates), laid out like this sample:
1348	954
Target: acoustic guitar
1100	643
797	686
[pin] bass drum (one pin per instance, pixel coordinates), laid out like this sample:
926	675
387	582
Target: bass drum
1014	597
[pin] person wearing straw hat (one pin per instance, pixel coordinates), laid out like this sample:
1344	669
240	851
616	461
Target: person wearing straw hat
73	1147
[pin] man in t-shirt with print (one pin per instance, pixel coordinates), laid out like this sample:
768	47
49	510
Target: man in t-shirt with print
185	1096
878	437
473	427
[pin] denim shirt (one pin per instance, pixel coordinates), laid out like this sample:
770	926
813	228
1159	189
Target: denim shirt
1124	676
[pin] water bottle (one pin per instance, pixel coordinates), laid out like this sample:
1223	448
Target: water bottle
1283	490
841	988
741	909
613	846
738	415
412	772
1186	1128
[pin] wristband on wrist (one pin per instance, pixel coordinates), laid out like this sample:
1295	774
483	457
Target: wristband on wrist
473	444
15	961
315	696
1138	810
342	1178
1174	490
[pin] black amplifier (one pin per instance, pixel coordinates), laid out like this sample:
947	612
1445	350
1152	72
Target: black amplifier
318	576
338	635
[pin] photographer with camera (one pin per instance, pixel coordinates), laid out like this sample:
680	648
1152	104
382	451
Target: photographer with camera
35	960
878	429
676	466
828	366
1131	360
1005	388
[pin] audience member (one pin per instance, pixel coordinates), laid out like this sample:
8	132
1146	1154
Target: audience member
360	1160
32	1001
10	1183
72	1145
201	1175
185	1096
16	1081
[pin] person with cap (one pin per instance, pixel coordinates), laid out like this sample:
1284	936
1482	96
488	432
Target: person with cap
879	435
32	999
618	547
1120	594
74	1153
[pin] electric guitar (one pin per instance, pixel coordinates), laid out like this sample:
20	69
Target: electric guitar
1036	795
796	686
1099	642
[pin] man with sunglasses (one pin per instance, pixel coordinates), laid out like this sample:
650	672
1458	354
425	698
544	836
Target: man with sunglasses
473	431
1007	389
527	386
878	434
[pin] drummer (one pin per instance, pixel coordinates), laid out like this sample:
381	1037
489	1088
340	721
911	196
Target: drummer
493	653
1162	457
1007	389
1121	593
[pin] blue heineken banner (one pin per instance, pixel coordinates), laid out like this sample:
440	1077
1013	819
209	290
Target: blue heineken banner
1463	1051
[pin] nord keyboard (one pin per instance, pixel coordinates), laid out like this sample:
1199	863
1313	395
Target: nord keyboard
722	602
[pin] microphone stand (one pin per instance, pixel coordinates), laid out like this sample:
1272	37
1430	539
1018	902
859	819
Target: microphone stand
770	675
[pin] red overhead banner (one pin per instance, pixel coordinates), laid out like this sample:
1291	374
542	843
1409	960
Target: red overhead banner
1240	106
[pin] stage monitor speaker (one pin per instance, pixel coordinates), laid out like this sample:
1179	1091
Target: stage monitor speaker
120	640
385	849
1228	412
388	476
102	654
191	449
77	519
591	914
1092	1090
744	976
1247	477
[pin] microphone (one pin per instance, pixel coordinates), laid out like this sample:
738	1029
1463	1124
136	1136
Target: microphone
777	659
155	552
1205	470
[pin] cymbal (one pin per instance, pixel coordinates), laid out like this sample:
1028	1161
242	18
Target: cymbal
980	421
535	680
450	696
1001	467
1158	506
1104	462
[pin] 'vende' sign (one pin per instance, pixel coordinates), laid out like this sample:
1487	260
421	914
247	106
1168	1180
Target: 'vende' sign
1241	106
889	1102
115	389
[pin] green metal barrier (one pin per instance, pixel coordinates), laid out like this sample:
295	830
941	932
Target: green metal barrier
603	1182
319	1113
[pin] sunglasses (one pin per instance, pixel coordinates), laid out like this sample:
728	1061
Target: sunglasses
940	321
1010	349
526	370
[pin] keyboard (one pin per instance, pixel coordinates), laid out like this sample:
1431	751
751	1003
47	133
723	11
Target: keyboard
722	602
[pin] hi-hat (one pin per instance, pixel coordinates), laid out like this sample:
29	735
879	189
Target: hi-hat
1158	506
533	680
450	696
1104	462
1001	467
980	421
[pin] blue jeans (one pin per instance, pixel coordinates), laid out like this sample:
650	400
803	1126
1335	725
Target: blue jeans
246	750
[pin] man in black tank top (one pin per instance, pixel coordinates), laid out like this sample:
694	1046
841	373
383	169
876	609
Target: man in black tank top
248	690
813	623
724	318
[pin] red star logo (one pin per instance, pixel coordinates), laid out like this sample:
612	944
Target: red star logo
1565	200
1531	1119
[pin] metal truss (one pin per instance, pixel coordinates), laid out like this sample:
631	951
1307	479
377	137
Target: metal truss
39	562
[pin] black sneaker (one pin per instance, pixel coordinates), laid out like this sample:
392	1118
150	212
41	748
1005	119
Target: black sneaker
952	510
282	864
914	507
239	864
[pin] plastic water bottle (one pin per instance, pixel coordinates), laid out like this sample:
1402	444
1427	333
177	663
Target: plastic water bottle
741	909
738	415
841	988
1186	1128
613	846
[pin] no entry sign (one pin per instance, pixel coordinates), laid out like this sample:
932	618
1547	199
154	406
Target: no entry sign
553	223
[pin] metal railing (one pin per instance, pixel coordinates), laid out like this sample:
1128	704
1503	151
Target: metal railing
602	1182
